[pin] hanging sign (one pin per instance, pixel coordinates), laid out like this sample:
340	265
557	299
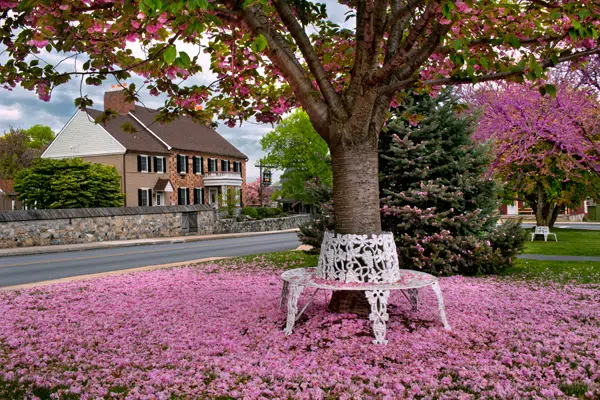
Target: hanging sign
267	178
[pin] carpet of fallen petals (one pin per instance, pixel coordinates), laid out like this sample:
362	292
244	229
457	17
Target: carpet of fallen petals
207	332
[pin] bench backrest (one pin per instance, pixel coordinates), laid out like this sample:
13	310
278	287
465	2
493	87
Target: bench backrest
542	230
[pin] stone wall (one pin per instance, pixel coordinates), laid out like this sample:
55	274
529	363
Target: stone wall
263	225
52	227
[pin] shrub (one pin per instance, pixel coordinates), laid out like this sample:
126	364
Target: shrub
263	212
311	233
509	239
275	212
250	211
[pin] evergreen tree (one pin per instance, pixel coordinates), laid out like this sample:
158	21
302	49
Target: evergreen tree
436	196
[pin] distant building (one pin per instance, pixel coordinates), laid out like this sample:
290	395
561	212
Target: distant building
8	197
182	162
520	208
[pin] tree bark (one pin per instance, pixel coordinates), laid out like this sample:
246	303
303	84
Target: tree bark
356	188
545	211
356	204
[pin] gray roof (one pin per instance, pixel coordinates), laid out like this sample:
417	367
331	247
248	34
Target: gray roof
140	141
181	134
185	134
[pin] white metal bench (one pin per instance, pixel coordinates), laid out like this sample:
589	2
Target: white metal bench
544	231
294	282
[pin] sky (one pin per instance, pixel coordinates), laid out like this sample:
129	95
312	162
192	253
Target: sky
20	108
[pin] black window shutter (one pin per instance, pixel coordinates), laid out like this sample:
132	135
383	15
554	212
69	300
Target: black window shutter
148	159
179	196
194	165
140	197
150	202
201	165
139	160
178	163
187	163
155	159
202	196
187	196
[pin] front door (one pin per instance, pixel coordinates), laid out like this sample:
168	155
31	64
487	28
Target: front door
213	196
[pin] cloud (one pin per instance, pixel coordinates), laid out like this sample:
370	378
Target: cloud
10	113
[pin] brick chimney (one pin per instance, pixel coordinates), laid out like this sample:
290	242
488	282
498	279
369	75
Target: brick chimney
115	100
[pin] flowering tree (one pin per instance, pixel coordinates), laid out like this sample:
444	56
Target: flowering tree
253	197
267	62
547	147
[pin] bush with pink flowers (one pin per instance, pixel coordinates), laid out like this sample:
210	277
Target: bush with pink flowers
216	332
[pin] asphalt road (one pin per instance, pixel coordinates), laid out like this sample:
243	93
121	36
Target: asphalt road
16	270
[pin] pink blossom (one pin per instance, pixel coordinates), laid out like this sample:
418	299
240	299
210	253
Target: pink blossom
216	331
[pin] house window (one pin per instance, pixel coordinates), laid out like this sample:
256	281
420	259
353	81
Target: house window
225	164
160	165
182	164
183	196
197	163
144	197
198	195
212	165
237	166
143	163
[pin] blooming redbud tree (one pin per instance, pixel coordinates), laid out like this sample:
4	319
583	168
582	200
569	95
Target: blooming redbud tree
253	194
547	148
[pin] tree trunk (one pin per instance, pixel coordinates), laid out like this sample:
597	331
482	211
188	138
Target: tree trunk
546	212
356	205
557	210
356	188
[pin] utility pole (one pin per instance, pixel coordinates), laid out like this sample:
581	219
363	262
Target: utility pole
260	187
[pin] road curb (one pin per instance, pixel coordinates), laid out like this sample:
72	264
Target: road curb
26	251
109	273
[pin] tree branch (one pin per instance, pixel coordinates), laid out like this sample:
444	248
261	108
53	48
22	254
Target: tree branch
413	59
281	55
400	13
544	4
314	64
401	56
405	84
503	75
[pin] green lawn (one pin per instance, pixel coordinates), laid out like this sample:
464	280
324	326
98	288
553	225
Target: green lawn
557	271
571	242
281	260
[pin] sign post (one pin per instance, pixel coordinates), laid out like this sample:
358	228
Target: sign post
265	179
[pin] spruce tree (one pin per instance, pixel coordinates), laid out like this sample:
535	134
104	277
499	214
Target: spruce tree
436	196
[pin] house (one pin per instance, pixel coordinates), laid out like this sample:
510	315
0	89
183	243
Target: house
182	162
8	197
519	208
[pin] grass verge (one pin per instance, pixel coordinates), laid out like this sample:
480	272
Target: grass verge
556	271
571	242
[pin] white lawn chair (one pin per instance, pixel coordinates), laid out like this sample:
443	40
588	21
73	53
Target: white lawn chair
543	230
